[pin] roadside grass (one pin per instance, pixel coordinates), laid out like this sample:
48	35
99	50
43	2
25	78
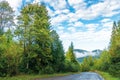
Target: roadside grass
107	76
35	77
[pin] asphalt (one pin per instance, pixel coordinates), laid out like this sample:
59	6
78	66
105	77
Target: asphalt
81	76
89	76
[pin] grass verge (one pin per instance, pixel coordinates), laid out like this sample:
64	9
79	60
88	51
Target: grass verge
107	76
33	77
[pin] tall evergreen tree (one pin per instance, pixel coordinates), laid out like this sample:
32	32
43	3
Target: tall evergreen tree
57	52
70	56
34	34
114	50
71	62
113	38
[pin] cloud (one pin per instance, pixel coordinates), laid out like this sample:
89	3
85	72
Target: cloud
50	12
77	4
92	27
61	28
56	4
69	17
112	8
106	20
107	8
78	24
58	19
80	55
72	29
15	4
35	1
90	39
64	11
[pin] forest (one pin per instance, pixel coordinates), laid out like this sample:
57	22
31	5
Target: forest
31	46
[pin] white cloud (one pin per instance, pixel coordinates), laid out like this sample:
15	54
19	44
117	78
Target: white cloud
57	4
50	12
78	24
78	55
15	4
110	8
35	1
72	29
57	20
77	4
61	28
74	2
105	9
92	27
72	17
90	39
64	11
106	20
107	24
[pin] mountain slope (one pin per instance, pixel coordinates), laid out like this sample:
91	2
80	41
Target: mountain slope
81	54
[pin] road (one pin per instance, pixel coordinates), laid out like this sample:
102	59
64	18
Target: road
81	76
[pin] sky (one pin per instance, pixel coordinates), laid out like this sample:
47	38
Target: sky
87	23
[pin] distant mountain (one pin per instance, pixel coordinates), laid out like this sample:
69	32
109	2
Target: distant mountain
81	58
80	50
97	51
81	54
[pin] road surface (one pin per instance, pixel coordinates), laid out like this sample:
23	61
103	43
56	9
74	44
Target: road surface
81	76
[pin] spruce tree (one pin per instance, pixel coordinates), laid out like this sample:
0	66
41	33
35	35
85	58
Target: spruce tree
57	52
114	50
70	56
33	34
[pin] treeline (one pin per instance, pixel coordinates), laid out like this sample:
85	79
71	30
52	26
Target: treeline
31	46
109	60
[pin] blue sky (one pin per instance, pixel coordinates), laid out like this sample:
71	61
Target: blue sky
87	23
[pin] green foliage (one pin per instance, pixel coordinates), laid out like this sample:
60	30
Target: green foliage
9	50
114	50
34	77
43	50
6	16
103	62
87	64
10	57
71	67
107	76
70	56
72	64
34	33
114	67
110	60
57	53
32	47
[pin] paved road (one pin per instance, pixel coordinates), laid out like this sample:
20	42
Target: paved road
81	76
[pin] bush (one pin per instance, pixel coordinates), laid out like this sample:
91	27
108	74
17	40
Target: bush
3	67
114	68
71	67
47	70
84	67
75	67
